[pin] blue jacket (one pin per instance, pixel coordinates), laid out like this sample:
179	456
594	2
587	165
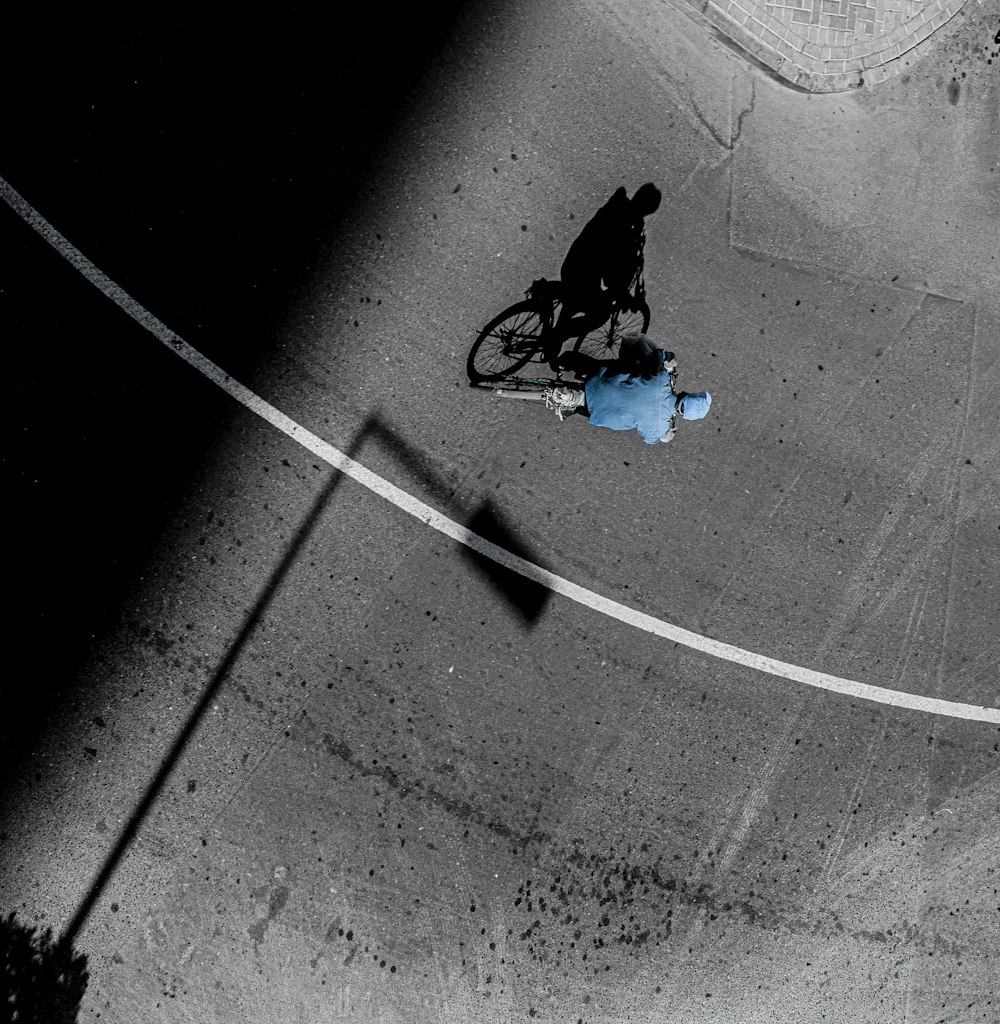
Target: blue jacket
622	402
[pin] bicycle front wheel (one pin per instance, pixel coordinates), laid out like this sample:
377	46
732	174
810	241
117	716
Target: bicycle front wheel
602	343
507	342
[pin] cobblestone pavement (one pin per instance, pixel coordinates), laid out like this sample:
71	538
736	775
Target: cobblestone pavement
832	45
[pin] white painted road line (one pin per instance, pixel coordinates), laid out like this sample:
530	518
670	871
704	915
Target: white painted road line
433	518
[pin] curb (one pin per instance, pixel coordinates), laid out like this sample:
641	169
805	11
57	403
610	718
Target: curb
811	49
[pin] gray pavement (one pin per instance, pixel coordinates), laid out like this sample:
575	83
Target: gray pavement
407	802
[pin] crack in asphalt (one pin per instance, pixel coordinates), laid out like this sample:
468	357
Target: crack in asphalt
701	117
843	276
733	138
743	113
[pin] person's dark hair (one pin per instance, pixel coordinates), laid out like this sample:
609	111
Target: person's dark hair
638	356
646	199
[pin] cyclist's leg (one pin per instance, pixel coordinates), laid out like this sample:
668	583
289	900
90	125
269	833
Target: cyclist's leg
595	315
580	363
561	331
577	296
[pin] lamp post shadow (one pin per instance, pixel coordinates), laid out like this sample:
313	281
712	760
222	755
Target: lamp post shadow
526	598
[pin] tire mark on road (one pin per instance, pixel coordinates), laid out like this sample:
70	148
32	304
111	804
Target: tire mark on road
460	809
953	496
917	610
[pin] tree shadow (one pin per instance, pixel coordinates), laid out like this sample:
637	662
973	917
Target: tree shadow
44	980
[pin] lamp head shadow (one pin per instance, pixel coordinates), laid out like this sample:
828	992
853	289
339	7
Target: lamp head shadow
525	597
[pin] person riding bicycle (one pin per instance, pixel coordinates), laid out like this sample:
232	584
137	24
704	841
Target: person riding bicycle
602	263
635	391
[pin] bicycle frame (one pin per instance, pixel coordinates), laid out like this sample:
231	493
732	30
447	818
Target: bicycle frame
562	396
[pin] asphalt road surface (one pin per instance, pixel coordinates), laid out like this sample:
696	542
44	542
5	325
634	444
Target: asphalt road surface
276	750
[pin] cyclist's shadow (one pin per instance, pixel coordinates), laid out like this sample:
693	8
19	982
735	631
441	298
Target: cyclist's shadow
535	329
600	298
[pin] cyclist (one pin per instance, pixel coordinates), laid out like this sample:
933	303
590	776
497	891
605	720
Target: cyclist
602	263
634	391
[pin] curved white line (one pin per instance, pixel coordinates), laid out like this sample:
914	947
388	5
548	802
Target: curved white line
336	458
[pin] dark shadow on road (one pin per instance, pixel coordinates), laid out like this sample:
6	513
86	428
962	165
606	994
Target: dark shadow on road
379	435
604	265
526	597
206	159
43	980
209	161
599	297
181	741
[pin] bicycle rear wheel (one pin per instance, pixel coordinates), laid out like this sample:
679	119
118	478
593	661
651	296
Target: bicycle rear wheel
508	341
602	343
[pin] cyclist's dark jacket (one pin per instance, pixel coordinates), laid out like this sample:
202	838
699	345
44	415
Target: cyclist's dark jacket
608	249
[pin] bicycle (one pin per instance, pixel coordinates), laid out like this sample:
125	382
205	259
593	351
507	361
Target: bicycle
565	397
518	335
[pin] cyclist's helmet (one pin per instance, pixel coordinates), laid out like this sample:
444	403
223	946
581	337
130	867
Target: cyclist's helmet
694	405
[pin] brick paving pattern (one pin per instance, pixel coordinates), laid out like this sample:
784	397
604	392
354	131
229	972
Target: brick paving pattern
828	45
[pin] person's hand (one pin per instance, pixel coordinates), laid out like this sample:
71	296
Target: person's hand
670	364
